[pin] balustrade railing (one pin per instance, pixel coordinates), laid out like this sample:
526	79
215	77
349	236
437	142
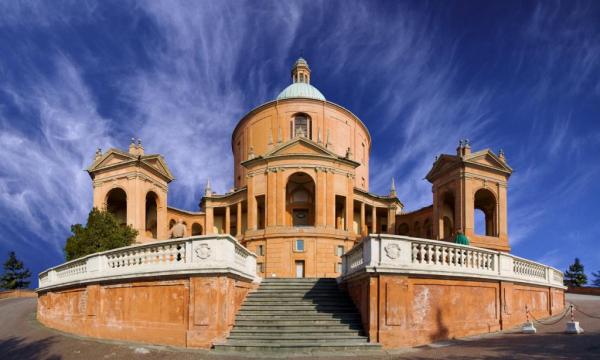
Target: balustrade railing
196	254
403	254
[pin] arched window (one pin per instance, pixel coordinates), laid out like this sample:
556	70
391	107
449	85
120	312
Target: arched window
151	214
116	204
428	229
403	229
301	126
300	199
485	206
447	214
196	229
417	229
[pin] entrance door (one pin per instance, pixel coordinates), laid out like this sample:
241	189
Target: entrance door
300	269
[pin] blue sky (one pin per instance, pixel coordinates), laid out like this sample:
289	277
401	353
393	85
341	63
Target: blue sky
521	76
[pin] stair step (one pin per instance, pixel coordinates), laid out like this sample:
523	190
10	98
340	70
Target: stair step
298	315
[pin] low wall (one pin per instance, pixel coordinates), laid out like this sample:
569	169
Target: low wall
584	290
194	311
400	310
19	293
412	291
182	292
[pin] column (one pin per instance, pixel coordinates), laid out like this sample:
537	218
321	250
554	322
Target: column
350	205
271	198
209	219
251	211
320	201
280	198
374	220
238	221
330	205
227	220
391	220
363	224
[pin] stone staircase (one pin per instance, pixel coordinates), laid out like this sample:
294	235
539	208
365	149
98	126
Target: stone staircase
297	315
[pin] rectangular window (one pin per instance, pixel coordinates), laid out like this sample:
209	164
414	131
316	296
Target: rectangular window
259	268
339	251
338	267
299	245
261	250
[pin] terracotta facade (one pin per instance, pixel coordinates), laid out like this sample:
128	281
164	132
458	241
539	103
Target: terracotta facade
300	193
400	310
193	311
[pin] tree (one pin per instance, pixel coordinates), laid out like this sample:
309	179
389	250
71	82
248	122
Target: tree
596	281
15	273
575	276
102	232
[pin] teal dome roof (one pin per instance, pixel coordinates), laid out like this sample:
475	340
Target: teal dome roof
300	90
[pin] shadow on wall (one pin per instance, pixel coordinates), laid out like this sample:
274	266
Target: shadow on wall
21	349
442	330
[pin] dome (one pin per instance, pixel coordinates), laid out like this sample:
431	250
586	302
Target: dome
301	90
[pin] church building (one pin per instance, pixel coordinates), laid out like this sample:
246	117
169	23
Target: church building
301	195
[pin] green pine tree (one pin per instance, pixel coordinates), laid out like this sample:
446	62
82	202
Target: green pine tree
102	232
596	281
575	276
15	274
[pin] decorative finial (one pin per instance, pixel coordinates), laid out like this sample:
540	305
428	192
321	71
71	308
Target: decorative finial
501	155
349	153
139	142
132	147
251	153
467	143
436	158
132	141
207	189
98	153
393	188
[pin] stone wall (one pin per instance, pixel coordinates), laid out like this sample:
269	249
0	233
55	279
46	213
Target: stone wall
187	311
402	310
19	293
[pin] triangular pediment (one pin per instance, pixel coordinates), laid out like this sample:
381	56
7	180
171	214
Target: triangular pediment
488	159
115	157
301	146
441	165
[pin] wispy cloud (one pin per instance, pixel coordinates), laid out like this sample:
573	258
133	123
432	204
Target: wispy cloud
43	187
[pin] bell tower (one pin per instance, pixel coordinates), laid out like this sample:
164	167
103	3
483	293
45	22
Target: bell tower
468	183
301	72
133	186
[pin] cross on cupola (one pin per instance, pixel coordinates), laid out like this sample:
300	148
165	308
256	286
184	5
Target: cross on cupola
301	72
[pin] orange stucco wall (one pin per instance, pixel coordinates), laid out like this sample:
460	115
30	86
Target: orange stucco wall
189	312
400	310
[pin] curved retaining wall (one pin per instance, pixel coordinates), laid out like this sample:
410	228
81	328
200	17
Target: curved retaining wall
413	291
182	292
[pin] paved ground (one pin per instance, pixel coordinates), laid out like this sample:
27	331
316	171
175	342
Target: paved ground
22	337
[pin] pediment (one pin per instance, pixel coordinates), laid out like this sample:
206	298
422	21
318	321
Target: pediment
115	157
488	159
301	146
443	163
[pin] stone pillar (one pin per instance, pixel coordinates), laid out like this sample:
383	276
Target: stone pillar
320	199
227	220
271	198
251	211
209	215
374	220
363	223
280	199
238	221
350	205
330	206
391	220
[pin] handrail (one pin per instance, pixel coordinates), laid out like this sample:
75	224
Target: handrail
383	253
195	254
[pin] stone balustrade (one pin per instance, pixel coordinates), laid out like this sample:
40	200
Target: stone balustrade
402	254
197	254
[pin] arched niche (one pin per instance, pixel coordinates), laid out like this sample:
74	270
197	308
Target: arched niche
301	126
447	215
300	199
485	204
196	229
116	204
151	214
403	229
